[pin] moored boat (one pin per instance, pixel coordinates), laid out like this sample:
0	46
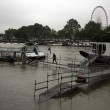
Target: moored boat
33	52
99	53
12	51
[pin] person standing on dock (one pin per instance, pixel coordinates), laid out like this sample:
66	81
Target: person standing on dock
49	49
54	58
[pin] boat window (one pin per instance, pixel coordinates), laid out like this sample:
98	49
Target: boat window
101	49
94	46
104	48
24	49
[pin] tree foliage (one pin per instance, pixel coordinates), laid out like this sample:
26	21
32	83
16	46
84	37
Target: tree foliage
72	30
92	29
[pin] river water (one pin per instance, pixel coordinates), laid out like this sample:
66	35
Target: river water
17	86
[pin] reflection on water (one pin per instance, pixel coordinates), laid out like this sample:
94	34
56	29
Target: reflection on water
17	84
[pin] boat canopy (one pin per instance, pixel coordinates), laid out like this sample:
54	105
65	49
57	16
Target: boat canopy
12	47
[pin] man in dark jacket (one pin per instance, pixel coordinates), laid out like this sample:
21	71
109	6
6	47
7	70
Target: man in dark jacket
54	58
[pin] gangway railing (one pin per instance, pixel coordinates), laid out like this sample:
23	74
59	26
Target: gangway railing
61	81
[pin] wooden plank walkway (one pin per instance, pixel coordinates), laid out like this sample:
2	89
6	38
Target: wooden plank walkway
66	66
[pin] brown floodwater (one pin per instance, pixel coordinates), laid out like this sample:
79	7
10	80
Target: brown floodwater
17	85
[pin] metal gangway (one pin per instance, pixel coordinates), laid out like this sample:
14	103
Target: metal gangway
63	82
69	81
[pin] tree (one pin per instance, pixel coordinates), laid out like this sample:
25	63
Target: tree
80	35
22	34
106	34
10	33
46	32
38	30
54	34
92	30
71	28
61	34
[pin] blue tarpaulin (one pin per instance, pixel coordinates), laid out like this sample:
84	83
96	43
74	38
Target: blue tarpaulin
35	50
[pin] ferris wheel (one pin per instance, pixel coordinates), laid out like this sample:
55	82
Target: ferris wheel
99	15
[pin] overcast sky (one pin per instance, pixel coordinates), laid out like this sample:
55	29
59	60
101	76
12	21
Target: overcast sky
54	13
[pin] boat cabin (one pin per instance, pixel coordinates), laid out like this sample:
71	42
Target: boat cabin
98	48
9	49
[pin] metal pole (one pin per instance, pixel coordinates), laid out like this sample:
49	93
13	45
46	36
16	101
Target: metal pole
60	61
74	63
47	60
47	82
34	88
88	78
60	84
71	65
58	77
39	98
43	64
71	80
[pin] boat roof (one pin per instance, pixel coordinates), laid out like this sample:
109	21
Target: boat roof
11	46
